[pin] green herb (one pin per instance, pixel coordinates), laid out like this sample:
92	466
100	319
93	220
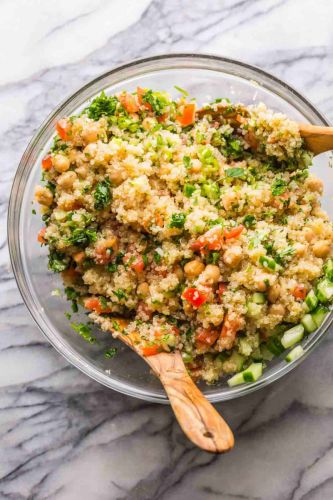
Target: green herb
71	294
84	331
103	302
235	172
58	145
182	91
68	315
189	190
112	267
249	221
278	187
158	101
120	293
159	141
102	194
157	257
282	256
213	258
33	211
82	237
110	353
74	307
115	325
58	262
178	220
187	162
101	106
145	259
51	186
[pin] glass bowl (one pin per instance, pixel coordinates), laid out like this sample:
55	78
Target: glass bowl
206	77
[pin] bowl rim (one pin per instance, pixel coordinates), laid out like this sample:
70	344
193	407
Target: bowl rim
13	221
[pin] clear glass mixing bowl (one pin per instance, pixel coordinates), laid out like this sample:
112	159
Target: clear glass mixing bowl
205	77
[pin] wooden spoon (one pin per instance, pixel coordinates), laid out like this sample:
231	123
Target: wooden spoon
201	423
317	139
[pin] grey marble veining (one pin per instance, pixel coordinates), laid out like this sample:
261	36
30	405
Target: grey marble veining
63	436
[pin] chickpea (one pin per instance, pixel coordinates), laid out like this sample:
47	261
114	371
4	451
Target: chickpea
116	177
314	184
91	133
179	273
300	249
277	309
143	289
61	163
193	268
321	248
67	179
43	196
211	274
232	256
274	292
82	171
90	151
308	234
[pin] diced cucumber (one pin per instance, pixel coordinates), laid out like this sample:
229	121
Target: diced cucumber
187	357
295	353
257	355
328	269
274	346
267	355
311	300
238	360
269	263
292	336
308	323
253	309
236	380
325	290
319	315
253	372
258	298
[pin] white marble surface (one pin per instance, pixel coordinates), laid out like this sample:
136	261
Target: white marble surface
64	436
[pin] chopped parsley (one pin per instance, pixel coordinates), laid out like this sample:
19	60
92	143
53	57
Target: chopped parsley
278	187
120	294
102	194
178	220
33	211
182	91
72	295
157	257
102	106
189	190
235	172
84	331
58	261
110	353
249	221
158	102
82	237
187	161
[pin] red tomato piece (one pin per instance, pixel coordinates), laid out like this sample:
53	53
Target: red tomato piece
194	296
47	162
299	292
235	232
138	265
40	236
211	240
221	289
150	350
63	129
94	304
129	102
207	336
140	93
187	117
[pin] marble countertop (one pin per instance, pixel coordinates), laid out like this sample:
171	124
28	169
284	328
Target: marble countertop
63	436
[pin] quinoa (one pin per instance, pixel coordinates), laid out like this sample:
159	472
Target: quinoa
206	234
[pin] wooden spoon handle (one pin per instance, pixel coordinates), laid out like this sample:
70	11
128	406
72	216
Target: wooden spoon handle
317	139
201	423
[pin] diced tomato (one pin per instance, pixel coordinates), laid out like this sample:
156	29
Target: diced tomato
194	296
41	235
140	93
299	292
138	265
187	117
211	240
229	331
94	304
129	102
63	129
207	336
162	118
47	162
150	350
79	257
221	289
104	251
235	232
